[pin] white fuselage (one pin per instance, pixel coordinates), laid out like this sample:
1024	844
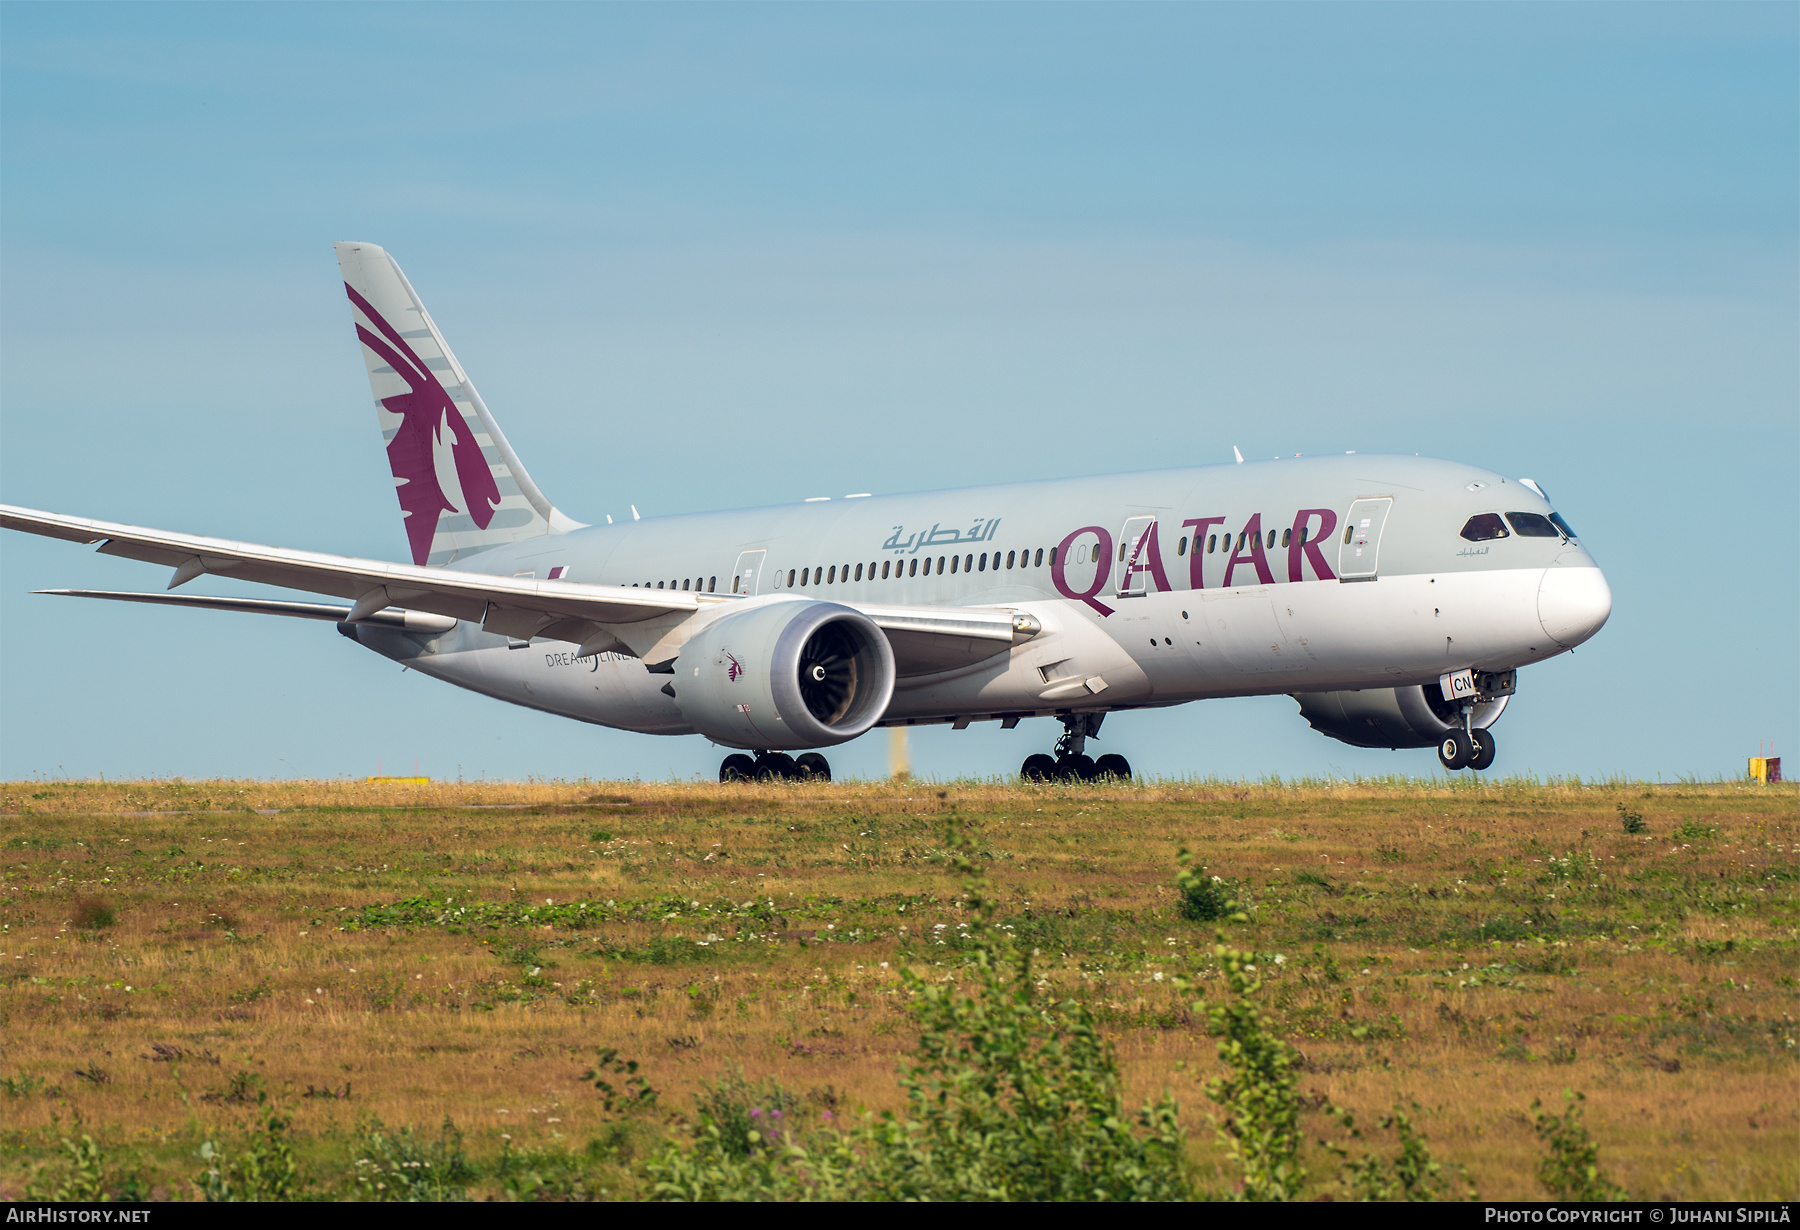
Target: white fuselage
1195	612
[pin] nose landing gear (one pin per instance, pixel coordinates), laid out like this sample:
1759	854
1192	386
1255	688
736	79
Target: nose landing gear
775	767
1468	748
1071	763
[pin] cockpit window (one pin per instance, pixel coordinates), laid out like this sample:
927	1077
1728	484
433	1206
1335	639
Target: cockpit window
1532	525
1556	519
1483	526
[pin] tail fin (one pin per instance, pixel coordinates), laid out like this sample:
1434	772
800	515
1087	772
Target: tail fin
462	488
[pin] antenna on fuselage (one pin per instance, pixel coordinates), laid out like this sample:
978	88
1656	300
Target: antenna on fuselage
1238	455
634	513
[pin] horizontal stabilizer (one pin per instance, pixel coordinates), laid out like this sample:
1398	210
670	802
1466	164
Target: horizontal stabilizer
392	617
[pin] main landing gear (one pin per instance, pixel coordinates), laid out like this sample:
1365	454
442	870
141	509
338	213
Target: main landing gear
1468	748
1071	763
775	767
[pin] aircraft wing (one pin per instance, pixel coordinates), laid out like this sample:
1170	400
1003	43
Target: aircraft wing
599	618
516	606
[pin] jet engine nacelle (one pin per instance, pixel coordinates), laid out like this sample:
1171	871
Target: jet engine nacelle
1418	716
785	676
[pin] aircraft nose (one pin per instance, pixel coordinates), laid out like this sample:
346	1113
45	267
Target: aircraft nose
1573	604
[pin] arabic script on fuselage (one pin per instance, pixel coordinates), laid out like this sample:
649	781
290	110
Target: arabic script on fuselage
982	529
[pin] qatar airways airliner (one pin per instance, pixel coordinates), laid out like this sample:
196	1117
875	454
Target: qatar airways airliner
1395	598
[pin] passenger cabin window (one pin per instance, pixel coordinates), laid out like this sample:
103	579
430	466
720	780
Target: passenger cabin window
1009	558
1212	543
1040	556
885	564
1532	525
790	578
831	577
1483	526
955	560
1181	547
712	584
914	570
1287	537
1271	540
1556	519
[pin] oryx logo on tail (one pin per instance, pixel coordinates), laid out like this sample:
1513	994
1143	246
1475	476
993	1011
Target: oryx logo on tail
438	465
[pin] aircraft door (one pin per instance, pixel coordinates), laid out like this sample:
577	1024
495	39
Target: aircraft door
1359	550
1132	562
747	576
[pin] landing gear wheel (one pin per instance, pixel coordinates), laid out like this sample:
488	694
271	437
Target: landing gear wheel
813	767
1484	749
1113	765
738	768
1455	751
1038	768
776	767
1076	768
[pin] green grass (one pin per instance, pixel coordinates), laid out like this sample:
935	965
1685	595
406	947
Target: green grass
464	951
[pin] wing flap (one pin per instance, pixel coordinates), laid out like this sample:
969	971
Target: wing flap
928	640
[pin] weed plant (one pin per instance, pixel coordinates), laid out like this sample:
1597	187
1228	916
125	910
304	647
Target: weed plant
1260	1129
87	1177
404	1166
1204	897
263	1166
1411	1176
1570	1167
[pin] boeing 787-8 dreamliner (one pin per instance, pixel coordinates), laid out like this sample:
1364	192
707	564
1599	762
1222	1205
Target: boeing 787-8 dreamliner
1395	598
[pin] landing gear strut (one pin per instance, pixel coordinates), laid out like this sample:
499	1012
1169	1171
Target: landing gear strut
1468	748
775	767
1071	762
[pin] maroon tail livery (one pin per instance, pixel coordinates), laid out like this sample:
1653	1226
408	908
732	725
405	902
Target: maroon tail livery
426	412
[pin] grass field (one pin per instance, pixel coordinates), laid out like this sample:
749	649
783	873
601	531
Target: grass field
357	951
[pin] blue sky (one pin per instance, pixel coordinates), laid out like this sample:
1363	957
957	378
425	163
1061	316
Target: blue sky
711	256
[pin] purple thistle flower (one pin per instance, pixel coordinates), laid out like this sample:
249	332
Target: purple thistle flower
755	1112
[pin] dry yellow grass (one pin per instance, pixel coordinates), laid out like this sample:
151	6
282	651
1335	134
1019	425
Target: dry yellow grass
1473	947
